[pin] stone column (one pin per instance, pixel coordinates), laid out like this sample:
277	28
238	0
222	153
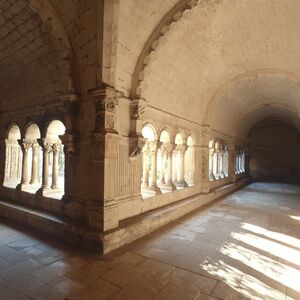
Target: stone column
232	161
25	145
192	165
47	148
180	152
210	164
56	148
145	182
169	182
238	164
35	163
153	178
216	164
220	163
162	166
102	206
7	160
174	166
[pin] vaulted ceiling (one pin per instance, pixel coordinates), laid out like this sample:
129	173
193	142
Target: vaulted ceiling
229	64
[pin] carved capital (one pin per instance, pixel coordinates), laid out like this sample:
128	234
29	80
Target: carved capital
169	148
137	109
136	145
25	145
153	146
181	148
56	147
35	147
106	100
46	145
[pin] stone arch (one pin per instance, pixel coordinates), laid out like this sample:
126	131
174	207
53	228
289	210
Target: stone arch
153	136
32	131
154	40
54	158
32	169
278	109
180	138
261	123
13	131
48	119
149	161
13	157
276	73
166	134
55	129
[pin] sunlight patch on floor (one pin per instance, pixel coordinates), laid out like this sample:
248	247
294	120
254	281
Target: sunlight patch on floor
273	235
295	218
271	247
245	284
275	270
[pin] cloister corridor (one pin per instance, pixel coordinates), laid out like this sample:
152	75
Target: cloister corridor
244	246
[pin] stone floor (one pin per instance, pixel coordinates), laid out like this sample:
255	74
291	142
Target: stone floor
246	246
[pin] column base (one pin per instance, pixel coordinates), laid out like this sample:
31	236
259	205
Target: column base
23	186
161	184
155	190
43	190
182	184
170	186
221	175
48	191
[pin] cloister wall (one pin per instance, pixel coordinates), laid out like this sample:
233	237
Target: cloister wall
275	148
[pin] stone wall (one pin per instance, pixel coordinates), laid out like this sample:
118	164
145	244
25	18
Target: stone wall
275	148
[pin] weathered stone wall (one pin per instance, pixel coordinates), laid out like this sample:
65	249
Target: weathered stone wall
275	148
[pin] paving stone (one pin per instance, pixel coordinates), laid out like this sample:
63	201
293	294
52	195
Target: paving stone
226	266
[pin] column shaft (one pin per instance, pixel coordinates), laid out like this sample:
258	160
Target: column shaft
170	164
46	152
162	167
210	165
145	182
154	168
35	163
180	154
25	170
56	150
